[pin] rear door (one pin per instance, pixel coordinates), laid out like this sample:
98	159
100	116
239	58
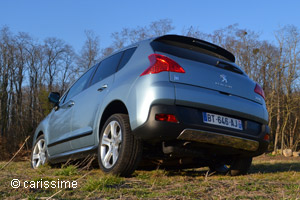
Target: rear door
90	100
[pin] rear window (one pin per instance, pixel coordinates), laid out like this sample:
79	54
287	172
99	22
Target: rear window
197	50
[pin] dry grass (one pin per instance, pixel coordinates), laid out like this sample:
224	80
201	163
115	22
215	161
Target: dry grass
269	178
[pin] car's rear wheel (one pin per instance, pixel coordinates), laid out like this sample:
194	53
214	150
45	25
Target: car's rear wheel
39	153
240	166
119	152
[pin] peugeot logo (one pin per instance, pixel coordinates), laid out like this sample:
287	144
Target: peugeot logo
223	78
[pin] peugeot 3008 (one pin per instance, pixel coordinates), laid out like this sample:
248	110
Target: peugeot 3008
172	101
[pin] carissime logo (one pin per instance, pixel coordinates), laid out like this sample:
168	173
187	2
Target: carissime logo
16	183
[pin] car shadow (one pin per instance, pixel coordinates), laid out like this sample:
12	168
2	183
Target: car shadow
274	167
188	172
256	168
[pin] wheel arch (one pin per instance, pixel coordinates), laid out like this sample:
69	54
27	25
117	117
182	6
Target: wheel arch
36	136
113	107
39	134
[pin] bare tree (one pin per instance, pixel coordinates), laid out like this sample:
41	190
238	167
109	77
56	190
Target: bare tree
53	50
6	62
90	51
67	71
107	51
128	35
160	27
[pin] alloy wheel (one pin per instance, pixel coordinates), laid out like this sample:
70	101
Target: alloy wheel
111	144
39	154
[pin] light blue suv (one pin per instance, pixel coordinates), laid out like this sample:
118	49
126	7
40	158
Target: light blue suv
172	101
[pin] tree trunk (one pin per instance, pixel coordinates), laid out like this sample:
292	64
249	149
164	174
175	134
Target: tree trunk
278	124
292	136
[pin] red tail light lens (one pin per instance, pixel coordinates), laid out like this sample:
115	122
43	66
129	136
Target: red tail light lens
259	90
166	117
267	137
160	63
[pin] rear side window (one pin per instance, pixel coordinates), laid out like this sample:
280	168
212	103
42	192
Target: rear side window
107	67
126	56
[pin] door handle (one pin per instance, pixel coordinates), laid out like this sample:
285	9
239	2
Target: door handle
103	87
72	103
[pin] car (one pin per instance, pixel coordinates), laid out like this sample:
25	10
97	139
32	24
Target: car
171	102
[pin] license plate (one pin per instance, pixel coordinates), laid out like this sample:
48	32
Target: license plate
221	120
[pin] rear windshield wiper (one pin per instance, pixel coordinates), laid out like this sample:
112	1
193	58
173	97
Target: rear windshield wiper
228	66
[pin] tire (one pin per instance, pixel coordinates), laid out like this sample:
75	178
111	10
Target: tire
39	153
119	152
240	166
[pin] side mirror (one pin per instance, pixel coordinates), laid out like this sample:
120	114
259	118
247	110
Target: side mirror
54	97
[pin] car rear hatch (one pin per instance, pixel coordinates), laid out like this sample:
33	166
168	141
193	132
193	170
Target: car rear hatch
207	66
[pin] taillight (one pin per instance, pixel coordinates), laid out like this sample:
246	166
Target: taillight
267	137
160	63
166	117
259	90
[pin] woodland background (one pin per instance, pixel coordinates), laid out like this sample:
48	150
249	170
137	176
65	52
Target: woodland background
31	68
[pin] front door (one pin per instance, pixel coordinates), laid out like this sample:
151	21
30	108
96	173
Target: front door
60	129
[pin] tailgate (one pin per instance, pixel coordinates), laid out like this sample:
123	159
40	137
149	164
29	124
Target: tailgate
214	78
207	66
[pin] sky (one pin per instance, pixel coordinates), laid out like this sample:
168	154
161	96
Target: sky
68	19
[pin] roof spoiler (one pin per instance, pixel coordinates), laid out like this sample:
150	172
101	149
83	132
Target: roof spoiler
199	43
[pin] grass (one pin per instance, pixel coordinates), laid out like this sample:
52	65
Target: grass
67	171
104	183
269	178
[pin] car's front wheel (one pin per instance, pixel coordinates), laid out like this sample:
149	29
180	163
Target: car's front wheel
119	152
39	153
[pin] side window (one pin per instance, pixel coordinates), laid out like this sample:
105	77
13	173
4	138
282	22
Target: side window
80	84
126	56
107	67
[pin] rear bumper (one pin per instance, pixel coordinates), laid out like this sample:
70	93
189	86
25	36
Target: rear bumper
249	142
218	139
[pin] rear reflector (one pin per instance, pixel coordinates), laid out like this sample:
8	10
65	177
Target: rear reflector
259	90
160	63
166	117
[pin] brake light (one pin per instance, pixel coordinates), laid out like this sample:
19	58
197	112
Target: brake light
160	63
166	117
259	90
